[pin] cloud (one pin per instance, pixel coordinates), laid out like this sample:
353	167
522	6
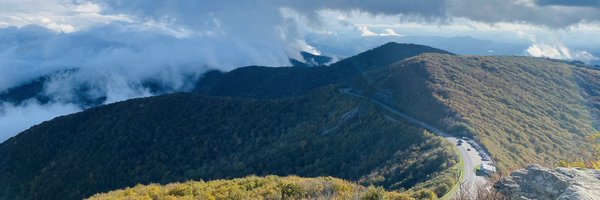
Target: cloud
366	32
14	119
136	51
534	12
523	11
552	47
57	15
425	10
559	52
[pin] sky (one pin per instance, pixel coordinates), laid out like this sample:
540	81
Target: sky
117	45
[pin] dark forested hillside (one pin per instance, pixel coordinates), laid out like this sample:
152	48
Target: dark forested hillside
274	82
268	82
182	137
524	110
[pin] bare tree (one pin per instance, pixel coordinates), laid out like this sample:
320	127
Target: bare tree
481	192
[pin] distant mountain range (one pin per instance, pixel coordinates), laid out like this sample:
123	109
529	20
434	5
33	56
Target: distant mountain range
294	120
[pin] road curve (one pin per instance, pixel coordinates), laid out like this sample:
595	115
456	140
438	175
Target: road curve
471	158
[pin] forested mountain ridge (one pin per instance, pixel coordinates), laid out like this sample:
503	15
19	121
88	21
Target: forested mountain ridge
182	137
524	110
251	81
277	82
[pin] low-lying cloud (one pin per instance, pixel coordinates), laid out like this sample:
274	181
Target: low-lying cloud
554	48
560	52
366	32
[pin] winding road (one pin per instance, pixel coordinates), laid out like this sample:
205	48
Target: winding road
471	158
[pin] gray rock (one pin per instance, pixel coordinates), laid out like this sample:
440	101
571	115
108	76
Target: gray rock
541	183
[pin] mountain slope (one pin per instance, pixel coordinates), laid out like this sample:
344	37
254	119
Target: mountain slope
277	82
524	110
589	82
180	137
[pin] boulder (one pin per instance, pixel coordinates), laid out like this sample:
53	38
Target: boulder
536	182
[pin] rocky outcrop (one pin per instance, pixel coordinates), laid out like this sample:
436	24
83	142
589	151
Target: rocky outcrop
541	183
